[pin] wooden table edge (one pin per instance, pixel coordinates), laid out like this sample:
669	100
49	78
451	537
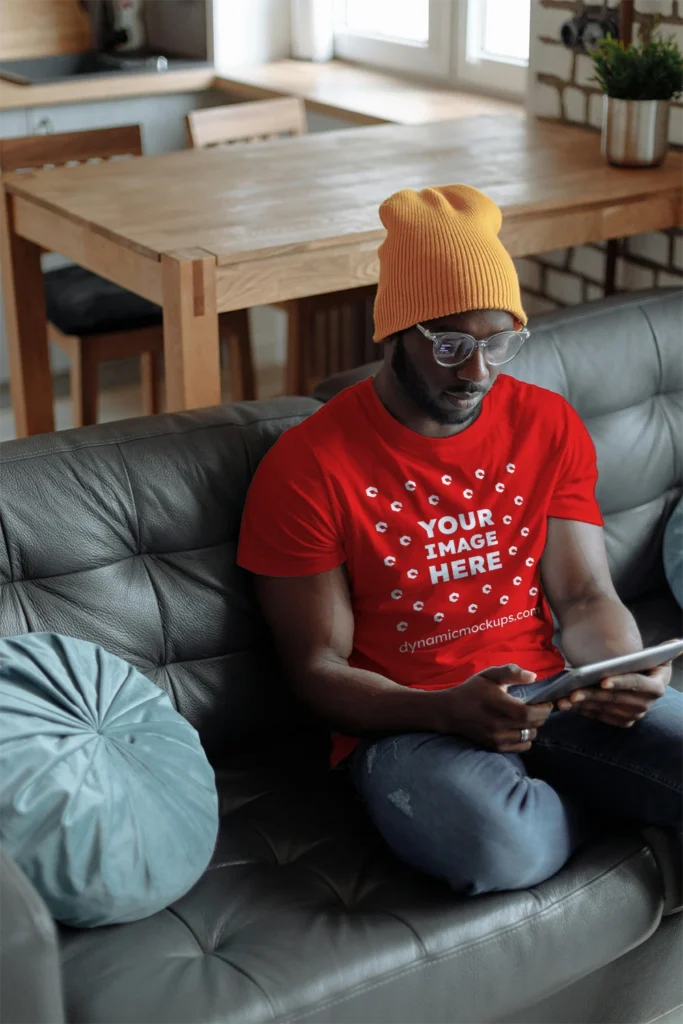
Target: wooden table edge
12	185
511	215
246	91
93	250
286	273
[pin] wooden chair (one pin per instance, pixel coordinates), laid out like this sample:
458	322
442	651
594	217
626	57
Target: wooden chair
246	122
91	319
321	330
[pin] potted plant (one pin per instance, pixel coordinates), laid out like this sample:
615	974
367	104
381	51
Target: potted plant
638	81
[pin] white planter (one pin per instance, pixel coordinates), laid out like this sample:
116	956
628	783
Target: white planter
312	29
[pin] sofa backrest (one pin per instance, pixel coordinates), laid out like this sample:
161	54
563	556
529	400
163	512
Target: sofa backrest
125	534
619	362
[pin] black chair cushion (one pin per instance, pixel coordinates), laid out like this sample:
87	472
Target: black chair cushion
81	303
304	915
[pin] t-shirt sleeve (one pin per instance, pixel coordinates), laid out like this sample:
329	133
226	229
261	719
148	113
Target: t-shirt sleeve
288	526
574	493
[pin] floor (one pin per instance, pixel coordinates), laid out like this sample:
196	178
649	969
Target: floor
120	397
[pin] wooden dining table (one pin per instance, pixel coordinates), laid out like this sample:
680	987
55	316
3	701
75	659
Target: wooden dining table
202	232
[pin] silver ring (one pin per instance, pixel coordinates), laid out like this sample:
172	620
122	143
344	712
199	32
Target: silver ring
525	735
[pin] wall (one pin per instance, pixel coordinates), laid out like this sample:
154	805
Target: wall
249	32
34	28
177	26
560	89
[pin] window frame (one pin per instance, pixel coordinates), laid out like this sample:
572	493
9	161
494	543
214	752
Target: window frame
429	60
487	74
455	28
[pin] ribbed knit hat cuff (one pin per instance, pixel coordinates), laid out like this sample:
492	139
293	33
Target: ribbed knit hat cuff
402	323
442	256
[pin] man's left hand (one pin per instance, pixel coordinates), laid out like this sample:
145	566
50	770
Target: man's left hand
620	700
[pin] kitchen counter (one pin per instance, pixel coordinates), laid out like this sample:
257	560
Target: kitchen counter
106	87
358	95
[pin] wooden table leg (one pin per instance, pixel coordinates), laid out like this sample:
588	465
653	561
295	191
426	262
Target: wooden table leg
191	350
27	348
610	285
299	337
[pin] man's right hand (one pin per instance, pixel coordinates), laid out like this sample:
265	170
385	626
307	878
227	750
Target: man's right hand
483	711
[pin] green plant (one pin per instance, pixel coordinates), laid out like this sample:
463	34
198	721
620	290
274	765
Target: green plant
651	69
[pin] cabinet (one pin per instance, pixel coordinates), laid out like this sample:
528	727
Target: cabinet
13	123
162	118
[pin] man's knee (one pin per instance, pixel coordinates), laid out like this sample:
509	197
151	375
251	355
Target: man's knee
490	847
475	820
510	854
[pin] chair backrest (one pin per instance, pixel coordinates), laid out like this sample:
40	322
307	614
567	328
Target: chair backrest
246	122
29	152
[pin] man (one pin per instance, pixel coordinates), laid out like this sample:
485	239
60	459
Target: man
408	541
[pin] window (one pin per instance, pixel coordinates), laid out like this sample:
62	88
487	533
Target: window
404	35
482	43
493	44
409	20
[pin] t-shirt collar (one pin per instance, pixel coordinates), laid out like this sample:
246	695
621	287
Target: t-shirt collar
396	435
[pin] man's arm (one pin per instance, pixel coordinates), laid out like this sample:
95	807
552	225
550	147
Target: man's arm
594	623
312	620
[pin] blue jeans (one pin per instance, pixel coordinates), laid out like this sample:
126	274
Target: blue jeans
485	821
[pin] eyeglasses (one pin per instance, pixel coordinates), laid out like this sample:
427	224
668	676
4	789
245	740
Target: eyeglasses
453	349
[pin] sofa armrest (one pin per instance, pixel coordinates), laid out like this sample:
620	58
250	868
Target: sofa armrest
30	979
667	847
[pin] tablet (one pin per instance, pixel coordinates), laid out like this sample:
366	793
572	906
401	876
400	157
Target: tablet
592	675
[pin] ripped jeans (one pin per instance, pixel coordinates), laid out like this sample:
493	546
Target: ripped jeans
485	821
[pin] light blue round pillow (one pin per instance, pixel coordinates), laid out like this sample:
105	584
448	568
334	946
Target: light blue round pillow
673	552
107	800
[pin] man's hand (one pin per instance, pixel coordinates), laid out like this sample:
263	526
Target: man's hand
620	700
483	711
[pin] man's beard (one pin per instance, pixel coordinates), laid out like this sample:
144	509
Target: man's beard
430	404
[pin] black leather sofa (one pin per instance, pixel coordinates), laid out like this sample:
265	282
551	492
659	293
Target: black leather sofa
125	534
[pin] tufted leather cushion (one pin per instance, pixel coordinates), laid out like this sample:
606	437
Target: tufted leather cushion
304	916
619	364
81	303
125	535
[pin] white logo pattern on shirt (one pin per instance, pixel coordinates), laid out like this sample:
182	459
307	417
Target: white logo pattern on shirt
405	540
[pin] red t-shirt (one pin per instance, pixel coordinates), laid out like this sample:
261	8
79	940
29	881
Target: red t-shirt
441	538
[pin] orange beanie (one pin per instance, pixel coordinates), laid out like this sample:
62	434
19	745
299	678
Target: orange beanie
442	255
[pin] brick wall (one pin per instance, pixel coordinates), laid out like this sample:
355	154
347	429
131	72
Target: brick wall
560	89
